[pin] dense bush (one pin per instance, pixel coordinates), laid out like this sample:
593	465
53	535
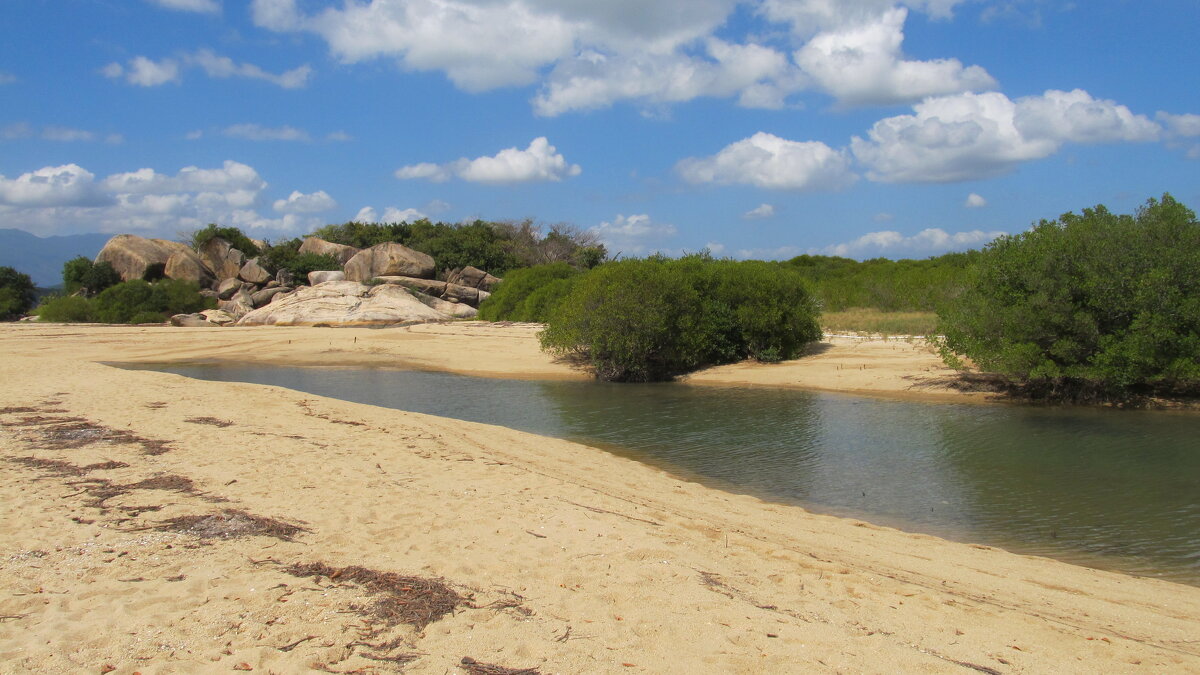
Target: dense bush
17	294
886	285
652	319
286	255
135	301
67	309
1090	305
81	273
511	300
233	235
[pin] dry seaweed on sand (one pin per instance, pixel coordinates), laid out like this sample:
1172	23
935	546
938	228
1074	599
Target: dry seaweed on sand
230	524
210	421
68	433
60	468
476	668
416	601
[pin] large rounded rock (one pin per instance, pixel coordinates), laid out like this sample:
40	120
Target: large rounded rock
222	258
254	273
321	276
266	295
344	303
319	246
131	255
473	277
389	260
185	265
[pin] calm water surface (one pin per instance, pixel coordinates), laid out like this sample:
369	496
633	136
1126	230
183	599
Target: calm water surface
1106	488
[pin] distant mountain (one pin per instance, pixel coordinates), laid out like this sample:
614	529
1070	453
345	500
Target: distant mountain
42	258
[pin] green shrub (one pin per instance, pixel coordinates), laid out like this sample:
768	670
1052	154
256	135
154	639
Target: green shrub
67	309
147	317
81	273
286	255
538	306
136	299
233	235
17	293
653	319
507	300
1092	305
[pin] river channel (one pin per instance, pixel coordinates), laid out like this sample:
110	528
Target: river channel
1106	488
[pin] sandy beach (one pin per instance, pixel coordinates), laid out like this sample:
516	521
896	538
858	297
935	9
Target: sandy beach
157	524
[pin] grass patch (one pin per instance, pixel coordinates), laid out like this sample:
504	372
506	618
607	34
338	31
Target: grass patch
871	320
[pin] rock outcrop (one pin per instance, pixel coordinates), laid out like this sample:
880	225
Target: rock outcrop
473	277
131	255
348	303
439	289
389	260
319	246
222	258
254	273
185	265
321	276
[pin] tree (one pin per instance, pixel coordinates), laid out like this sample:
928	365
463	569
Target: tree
652	319
82	273
1092	305
16	294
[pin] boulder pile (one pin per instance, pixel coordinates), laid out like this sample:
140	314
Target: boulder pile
386	284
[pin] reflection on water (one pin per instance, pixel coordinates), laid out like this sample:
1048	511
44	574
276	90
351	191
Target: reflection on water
1101	487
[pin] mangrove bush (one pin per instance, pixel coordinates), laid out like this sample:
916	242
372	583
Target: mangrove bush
1091	305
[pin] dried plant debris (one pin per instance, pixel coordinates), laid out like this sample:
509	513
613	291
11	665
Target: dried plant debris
415	601
60	468
231	524
58	432
210	421
476	668
100	490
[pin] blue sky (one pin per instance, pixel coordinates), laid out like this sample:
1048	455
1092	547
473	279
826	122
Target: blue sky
765	128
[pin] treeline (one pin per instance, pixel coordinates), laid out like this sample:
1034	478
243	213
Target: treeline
886	285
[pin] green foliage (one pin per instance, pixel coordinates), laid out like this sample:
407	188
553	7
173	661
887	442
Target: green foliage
233	235
135	301
17	293
886	285
286	255
495	247
67	309
81	273
510	300
652	319
1090	305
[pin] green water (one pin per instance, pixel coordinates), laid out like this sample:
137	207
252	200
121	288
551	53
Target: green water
1106	488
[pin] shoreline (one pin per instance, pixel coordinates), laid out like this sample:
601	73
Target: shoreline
576	560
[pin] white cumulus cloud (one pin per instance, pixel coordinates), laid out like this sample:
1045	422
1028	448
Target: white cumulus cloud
768	161
863	64
298	202
891	244
587	55
69	184
633	235
968	136
146	72
975	201
760	211
537	163
391	214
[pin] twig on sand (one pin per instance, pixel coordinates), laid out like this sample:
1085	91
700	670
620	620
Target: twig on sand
615	513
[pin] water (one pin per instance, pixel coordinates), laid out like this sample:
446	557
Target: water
1105	488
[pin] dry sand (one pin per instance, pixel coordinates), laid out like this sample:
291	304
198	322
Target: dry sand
564	559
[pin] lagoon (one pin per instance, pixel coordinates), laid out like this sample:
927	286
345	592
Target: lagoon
1106	488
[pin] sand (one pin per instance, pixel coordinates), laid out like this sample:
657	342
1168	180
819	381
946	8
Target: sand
557	557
